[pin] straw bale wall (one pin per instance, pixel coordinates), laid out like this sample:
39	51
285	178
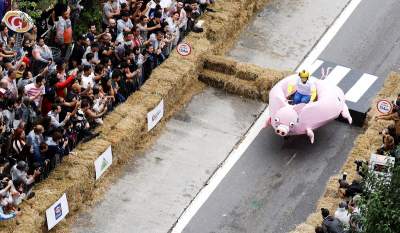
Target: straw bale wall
242	79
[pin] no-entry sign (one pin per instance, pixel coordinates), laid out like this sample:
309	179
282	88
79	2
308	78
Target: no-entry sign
384	106
184	49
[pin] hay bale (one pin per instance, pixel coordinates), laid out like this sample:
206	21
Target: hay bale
248	71
165	90
136	121
220	64
249	81
230	84
303	228
127	134
266	80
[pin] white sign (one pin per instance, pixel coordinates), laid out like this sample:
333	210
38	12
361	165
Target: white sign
155	115
18	21
184	49
103	162
384	106
165	3
57	212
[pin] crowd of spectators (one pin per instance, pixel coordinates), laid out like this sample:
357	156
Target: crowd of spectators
347	217
55	88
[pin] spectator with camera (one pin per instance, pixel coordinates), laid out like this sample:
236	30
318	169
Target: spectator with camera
388	145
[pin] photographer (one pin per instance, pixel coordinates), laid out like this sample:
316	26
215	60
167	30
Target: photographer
388	143
106	46
349	190
57	148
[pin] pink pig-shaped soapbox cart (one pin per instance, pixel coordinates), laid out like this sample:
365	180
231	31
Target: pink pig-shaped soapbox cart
287	119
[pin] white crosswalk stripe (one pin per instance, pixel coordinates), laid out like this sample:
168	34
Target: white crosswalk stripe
315	66
337	74
360	82
361	86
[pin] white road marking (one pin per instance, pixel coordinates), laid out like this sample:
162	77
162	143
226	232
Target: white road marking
328	36
337	74
291	159
217	177
237	153
315	66
361	86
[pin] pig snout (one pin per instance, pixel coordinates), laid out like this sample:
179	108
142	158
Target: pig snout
282	130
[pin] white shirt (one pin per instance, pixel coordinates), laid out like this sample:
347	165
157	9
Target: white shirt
304	88
343	215
31	90
55	119
87	81
121	25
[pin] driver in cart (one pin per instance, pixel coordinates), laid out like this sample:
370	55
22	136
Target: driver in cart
304	89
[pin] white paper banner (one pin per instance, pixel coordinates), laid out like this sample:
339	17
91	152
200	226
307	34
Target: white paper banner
155	115
57	212
103	162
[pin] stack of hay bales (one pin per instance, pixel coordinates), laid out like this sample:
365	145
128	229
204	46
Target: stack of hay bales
245	80
126	127
364	145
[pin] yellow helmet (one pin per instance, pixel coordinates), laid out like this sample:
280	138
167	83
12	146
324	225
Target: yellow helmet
304	74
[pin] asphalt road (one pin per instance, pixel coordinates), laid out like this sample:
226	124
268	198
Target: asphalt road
275	184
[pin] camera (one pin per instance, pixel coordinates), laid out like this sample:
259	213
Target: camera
359	163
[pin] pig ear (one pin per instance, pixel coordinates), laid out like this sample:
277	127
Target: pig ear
299	107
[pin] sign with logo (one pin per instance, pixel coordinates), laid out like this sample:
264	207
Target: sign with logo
103	162
57	212
155	115
384	106
18	21
184	49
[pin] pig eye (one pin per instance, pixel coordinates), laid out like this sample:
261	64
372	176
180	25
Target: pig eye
276	119
291	124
